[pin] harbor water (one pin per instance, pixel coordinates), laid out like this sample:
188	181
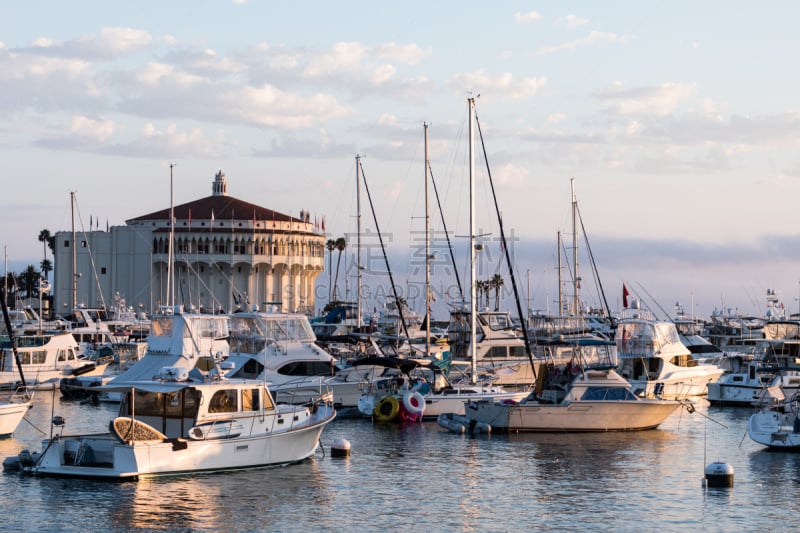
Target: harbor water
418	477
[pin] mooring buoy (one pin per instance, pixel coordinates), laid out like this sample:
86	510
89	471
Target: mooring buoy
340	448
719	474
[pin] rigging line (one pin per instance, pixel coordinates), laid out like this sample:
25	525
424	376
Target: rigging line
666	315
383	249
594	265
91	256
507	253
446	234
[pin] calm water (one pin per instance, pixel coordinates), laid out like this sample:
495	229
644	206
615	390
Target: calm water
420	477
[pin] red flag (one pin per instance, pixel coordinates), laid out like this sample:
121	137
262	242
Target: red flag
323	224
625	294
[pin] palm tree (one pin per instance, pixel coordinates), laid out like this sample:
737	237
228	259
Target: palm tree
331	246
46	267
340	244
497	282
28	280
44	238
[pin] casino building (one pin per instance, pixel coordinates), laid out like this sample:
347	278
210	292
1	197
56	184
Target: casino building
228	254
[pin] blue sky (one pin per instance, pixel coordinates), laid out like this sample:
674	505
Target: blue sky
678	122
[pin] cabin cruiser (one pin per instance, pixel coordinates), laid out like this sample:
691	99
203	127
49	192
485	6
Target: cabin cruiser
586	394
656	362
180	414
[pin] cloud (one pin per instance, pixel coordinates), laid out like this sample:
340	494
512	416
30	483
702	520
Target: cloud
530	17
573	21
660	100
111	43
593	38
497	86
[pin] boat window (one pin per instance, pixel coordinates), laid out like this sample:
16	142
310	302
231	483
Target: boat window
306	368
62	355
223	401
161	326
38	357
250	400
607	393
497	351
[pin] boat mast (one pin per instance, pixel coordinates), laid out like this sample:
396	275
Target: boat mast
358	242
576	281
170	270
74	253
472	274
560	281
427	254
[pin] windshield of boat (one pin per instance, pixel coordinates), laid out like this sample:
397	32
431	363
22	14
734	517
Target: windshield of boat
608	393
252	334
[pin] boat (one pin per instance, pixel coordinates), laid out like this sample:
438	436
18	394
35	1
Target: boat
181	415
13	408
455	423
582	396
655	361
777	425
45	358
775	364
281	349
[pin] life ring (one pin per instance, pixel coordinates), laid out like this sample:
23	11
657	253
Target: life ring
387	409
414	402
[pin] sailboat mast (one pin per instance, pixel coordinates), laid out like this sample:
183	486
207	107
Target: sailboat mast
576	281
74	253
560	281
170	270
472	274
427	253
358	240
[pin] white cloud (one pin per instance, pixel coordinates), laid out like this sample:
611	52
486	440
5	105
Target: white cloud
530	17
660	100
410	54
99	130
573	21
555	118
594	37
510	175
341	57
503	84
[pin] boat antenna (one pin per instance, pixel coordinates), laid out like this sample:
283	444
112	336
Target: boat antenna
12	338
506	250
383	249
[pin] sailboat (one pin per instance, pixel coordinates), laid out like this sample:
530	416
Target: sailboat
428	393
13	408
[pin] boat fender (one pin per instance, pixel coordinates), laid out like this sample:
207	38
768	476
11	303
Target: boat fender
414	402
387	409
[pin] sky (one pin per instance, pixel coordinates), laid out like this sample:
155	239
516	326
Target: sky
677	121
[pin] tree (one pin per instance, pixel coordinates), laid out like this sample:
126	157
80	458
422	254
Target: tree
331	246
28	280
46	267
497	282
44	238
340	244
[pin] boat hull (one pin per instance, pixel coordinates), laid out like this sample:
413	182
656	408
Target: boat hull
11	414
584	416
775	429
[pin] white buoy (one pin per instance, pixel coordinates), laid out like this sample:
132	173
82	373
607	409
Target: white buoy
340	448
719	474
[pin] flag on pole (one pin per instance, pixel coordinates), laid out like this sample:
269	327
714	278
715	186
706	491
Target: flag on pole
190	219
625	295
212	220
